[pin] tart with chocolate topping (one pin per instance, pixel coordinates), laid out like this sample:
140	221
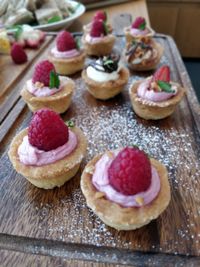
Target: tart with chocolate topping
143	55
105	77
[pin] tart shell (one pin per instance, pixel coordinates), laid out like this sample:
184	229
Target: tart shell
123	218
106	90
101	48
58	102
68	66
53	174
150	110
130	37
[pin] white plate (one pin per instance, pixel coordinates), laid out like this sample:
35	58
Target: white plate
65	23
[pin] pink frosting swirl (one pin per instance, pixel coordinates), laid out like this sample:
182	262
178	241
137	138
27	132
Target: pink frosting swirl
30	155
101	182
144	91
93	40
45	90
65	54
138	32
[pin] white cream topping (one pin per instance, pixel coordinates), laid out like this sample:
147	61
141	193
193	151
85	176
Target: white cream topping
100	76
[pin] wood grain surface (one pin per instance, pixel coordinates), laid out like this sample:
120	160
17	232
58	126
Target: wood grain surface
58	223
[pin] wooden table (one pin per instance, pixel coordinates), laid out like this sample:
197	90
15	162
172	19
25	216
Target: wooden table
54	227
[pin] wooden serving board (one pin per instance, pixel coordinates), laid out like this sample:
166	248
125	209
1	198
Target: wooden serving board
58	223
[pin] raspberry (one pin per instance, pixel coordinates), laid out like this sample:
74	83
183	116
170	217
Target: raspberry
162	74
18	54
100	15
47	131
130	171
65	41
42	72
98	28
139	23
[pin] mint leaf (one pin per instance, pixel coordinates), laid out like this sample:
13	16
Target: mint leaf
70	124
165	87
54	80
17	31
54	19
78	43
142	26
105	28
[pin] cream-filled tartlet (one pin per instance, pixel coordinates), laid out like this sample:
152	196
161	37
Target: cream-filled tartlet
99	15
138	30
47	89
125	188
105	77
98	41
143	55
67	56
157	96
48	153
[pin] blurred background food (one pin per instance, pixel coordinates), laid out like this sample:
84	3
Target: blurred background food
40	12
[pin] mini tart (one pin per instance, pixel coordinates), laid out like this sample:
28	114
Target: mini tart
124	218
106	90
68	66
101	48
130	37
58	102
54	174
150	110
149	64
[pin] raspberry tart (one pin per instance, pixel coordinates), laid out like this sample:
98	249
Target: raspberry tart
99	15
67	56
48	153
157	96
105	77
98	41
125	188
138	30
142	55
47	89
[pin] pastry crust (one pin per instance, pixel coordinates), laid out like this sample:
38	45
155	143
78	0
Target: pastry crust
130	37
54	174
58	102
116	216
106	90
68	66
102	48
149	64
149	110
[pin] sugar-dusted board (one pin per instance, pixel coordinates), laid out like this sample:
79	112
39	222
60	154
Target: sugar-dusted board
58	223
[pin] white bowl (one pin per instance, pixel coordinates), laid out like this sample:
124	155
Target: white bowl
65	23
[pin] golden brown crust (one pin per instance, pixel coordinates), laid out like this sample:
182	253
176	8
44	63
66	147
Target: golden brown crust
130	37
58	102
149	110
68	66
120	217
149	64
106	90
102	48
54	174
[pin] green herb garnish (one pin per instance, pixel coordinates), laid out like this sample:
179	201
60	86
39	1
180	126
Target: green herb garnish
70	124
54	19
78	43
142	26
54	80
165	87
106	30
